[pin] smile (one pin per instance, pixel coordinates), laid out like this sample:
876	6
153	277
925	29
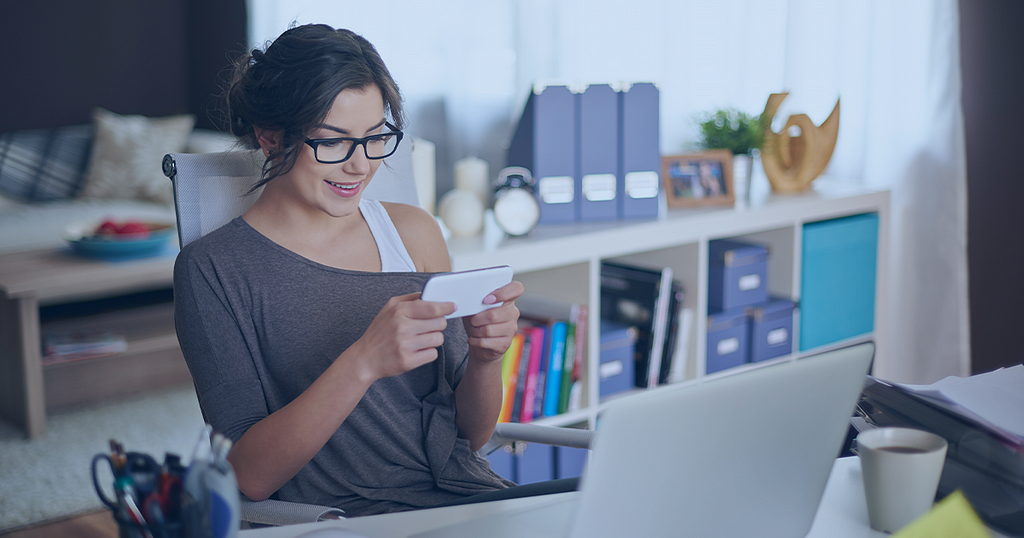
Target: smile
343	186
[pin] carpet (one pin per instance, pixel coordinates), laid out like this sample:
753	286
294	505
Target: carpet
48	478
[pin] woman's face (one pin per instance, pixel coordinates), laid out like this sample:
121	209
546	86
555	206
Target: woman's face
335	189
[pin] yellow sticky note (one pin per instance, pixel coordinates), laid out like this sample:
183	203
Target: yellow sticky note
952	517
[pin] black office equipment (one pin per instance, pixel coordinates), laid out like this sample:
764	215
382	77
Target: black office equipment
986	464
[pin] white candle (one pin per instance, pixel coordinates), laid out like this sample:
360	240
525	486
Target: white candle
424	172
472	174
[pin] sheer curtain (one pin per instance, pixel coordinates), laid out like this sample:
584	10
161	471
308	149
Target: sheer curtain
466	68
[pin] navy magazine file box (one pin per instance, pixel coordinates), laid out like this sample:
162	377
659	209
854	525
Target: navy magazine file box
618	349
738	274
728	340
598	153
639	146
771	329
569	461
545	143
535	462
501	462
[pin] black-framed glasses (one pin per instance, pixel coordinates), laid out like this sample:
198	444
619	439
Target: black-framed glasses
339	150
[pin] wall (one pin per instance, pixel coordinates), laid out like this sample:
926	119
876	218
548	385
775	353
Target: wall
61	58
991	45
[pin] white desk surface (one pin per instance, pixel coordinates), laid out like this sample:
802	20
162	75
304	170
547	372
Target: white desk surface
842	513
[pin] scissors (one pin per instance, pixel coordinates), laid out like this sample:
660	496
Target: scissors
138	469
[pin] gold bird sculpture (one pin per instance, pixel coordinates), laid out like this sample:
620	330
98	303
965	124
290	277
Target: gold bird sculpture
792	162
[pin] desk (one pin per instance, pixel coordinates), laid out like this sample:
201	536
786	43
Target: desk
842	513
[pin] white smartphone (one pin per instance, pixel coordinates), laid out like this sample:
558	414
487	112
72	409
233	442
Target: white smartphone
467	289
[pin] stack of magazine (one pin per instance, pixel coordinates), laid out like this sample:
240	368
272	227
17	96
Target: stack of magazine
67	346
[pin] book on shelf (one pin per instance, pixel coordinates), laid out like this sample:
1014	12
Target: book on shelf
681	346
647	299
556	360
551	360
524	366
67	346
529	393
510	376
575	355
672	360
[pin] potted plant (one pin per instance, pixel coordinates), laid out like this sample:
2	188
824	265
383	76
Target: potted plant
737	131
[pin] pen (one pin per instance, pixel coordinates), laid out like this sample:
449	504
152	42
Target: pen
118	456
130	512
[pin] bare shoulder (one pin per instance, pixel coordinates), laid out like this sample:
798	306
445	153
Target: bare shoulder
421	236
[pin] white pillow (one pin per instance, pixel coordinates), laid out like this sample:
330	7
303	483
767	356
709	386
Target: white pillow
210	141
127	155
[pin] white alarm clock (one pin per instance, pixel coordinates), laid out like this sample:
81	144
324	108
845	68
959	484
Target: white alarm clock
515	206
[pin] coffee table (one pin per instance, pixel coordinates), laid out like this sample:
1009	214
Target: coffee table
35	278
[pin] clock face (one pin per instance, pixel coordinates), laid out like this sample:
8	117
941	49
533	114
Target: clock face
516	211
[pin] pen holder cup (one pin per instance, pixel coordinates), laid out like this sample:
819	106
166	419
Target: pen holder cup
131	529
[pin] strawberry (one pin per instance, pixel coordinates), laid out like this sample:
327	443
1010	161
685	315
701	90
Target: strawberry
108	227
134	227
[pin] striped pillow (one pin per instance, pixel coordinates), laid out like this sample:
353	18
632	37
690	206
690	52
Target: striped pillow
42	165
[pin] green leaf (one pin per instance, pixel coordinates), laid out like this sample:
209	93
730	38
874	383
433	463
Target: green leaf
730	129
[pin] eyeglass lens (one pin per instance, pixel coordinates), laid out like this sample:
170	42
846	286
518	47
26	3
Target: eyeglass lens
376	147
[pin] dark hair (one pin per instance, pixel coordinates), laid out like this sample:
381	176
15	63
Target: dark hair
291	86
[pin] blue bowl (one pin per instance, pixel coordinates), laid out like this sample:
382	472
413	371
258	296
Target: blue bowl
82	239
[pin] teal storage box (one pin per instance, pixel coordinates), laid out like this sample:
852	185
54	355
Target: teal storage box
728	340
738	274
837	291
771	329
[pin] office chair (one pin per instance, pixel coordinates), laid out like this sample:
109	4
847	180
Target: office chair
211	189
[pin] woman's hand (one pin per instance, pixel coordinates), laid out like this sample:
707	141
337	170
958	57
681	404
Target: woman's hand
491	331
403	336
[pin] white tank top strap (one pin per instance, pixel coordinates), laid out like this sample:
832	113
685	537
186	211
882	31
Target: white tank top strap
394	258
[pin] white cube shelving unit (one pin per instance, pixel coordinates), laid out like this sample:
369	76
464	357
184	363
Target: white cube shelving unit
564	261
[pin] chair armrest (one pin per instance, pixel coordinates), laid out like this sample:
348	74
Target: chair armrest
273	512
534	433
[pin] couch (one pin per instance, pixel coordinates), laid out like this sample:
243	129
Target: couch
51	178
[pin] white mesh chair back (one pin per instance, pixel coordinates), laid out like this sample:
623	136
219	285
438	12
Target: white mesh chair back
211	189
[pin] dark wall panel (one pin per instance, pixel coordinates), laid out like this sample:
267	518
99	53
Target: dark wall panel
215	36
992	46
61	58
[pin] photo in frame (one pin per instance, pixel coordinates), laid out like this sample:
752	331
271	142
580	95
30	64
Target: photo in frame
698	179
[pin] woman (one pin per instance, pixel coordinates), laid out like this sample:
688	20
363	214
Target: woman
300	321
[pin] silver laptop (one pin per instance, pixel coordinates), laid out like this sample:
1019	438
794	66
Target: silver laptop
741	455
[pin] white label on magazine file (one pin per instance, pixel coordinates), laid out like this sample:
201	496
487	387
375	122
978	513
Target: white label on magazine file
729	345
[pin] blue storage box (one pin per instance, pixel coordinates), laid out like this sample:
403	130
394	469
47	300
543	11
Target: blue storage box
501	462
570	461
771	329
535	462
738	274
618	353
837	281
728	340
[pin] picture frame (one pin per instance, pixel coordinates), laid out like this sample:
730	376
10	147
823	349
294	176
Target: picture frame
698	179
